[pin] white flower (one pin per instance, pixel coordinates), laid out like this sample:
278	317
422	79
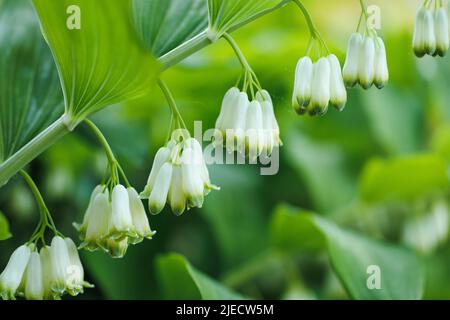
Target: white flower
270	124
381	67
75	283
158	197
82	228
161	157
121	219
254	136
33	280
11	277
350	70
302	86
140	220
183	180
338	93
442	34
46	266
366	62
431	35
366	65
320	96
98	227
60	263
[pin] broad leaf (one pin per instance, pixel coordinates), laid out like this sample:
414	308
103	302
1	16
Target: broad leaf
30	93
4	228
227	15
180	281
164	25
403	178
352	255
100	64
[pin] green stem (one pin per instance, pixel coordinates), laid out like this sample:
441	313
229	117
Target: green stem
364	8
171	101
33	149
101	138
309	21
238	52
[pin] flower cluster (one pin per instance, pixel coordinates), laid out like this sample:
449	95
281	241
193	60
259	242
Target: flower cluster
178	176
48	274
249	127
431	34
113	220
366	62
317	85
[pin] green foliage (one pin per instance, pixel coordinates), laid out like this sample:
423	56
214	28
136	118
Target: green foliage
180	281
350	255
30	95
100	64
403	178
4	228
226	15
164	25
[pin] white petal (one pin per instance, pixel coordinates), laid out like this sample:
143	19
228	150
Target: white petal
140	220
75	278
350	70
381	66
338	93
254	134
429	33
442	34
34	288
193	185
366	67
46	266
60	262
161	157
158	197
227	104
101	216
97	190
302	85
177	197
11	277
121	220
418	38
321	87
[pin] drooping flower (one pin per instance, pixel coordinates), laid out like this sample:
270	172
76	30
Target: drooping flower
179	176
431	35
113	222
249	127
11	277
366	61
318	85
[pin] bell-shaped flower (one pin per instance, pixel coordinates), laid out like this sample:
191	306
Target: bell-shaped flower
121	223
82	228
60	264
193	184
75	282
98	227
270	123
338	93
320	97
177	196
441	30
350	70
140	220
33	279
366	65
254	136
429	36
161	157
302	86
381	76
158	196
11	277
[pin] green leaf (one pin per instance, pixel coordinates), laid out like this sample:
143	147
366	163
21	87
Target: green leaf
351	255
100	64
30	93
164	25
227	15
403	178
4	228
180	281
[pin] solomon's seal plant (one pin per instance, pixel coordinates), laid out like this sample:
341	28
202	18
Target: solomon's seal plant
117	53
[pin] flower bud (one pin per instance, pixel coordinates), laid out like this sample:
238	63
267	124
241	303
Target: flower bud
350	70
121	220
302	85
441	30
140	220
320	88
254	137
227	104
162	156
366	66
158	197
11	277
338	93
60	264
83	227
418	38
381	67
193	185
429	36
177	197
34	288
99	223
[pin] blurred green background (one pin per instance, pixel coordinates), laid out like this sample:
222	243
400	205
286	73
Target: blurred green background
380	168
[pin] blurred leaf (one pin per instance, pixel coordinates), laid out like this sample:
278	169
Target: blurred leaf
102	63
441	142
164	25
396	119
180	281
226	15
4	228
403	178
350	255
322	166
30	93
